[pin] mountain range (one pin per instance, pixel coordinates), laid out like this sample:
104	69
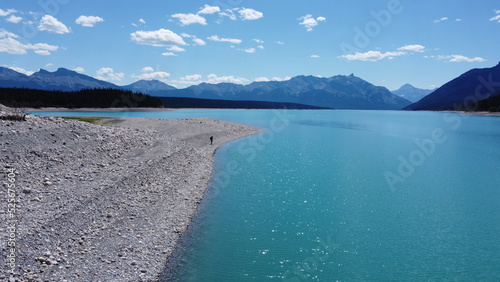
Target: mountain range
339	92
463	91
62	79
411	93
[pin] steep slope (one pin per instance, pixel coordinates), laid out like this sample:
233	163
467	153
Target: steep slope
411	93
11	78
473	85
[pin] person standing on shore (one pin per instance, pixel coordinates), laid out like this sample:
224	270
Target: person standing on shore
211	140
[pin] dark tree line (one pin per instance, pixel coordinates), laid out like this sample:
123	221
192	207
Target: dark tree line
491	104
87	98
180	103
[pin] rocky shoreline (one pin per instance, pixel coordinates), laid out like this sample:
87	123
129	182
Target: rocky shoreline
102	202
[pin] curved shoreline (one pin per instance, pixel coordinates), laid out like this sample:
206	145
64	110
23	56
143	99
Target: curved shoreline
106	202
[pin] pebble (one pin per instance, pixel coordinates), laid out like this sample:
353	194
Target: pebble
98	202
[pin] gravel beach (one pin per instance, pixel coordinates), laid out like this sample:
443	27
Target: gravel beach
101	202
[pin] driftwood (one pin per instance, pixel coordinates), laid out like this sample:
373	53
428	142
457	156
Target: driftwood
16	114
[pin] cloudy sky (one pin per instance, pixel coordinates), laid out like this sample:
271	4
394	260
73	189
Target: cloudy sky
386	42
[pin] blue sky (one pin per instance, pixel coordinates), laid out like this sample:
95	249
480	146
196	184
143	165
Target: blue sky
386	42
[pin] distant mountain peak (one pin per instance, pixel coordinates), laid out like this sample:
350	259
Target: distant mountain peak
149	81
43	71
408	87
12	78
152	87
411	92
7	72
63	71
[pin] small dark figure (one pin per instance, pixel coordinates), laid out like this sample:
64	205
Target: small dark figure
211	140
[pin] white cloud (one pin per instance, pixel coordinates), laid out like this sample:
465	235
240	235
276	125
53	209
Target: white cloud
250	50
141	22
497	17
214	79
229	13
158	38
159	75
208	10
7	12
43	46
50	24
260	47
230	40
280	42
168	54
412	48
315	56
12	46
372	56
441	19
458	20
147	69
176	48
14	19
109	74
88	21
262	79
79	69
250	14
42	52
458	58
185	35
21	70
199	41
309	22
187	19
191	77
258	41
265	79
5	33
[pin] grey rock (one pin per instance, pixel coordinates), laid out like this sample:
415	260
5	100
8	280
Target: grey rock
101	204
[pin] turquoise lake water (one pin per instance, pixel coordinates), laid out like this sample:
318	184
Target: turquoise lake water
347	196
